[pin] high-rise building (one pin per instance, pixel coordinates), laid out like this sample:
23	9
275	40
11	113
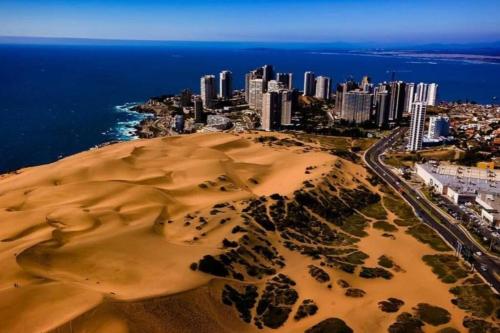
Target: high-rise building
225	85
382	103
267	73
432	90
323	89
397	103
340	91
270	116
199	115
256	90
185	98
366	83
286	106
207	90
409	97
255	74
439	126
275	85
417	125
179	123
427	93
356	106
286	79
309	87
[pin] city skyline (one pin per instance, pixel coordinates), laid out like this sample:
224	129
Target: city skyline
334	21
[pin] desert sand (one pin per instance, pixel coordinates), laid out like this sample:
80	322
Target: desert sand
102	241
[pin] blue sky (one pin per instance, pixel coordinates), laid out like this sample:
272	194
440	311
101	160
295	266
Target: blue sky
421	21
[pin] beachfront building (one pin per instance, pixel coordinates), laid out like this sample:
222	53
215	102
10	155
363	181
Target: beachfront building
270	110
426	92
225	85
267	74
275	85
397	100
382	109
252	75
323	88
207	90
409	97
285	79
309	84
199	115
256	92
286	97
417	126
356	106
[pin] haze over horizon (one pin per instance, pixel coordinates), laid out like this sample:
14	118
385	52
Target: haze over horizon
321	21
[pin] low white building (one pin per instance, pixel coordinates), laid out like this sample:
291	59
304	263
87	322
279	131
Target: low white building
458	183
490	208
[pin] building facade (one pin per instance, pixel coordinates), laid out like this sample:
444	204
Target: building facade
356	106
323	88
256	91
309	84
225	85
417	126
207	90
439	126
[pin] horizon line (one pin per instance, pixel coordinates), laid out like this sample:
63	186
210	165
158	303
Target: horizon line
495	43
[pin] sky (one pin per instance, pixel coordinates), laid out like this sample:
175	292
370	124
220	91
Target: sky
385	21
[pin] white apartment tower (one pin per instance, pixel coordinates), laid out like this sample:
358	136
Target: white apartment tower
426	92
256	92
207	90
323	88
225	85
417	125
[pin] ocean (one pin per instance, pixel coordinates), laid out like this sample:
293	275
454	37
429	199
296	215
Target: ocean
57	100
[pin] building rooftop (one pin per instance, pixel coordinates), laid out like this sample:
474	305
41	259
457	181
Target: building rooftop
466	179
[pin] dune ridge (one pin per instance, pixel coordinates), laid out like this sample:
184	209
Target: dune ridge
205	233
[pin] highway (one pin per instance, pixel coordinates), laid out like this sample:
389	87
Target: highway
428	213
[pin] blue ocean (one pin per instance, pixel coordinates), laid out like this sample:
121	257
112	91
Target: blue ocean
57	100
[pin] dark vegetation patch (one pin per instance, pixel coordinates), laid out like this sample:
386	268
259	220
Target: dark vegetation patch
385	226
400	208
375	272
428	236
343	283
355	225
391	305
212	266
405	223
385	261
478	299
306	309
354	292
319	274
431	314
330	325
446	266
376	211
476	325
406	323
244	301
448	330
276	302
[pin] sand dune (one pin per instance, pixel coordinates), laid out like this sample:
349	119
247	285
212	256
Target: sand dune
102	241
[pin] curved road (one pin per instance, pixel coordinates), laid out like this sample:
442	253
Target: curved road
429	214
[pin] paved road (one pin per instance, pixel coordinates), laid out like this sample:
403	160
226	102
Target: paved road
429	214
